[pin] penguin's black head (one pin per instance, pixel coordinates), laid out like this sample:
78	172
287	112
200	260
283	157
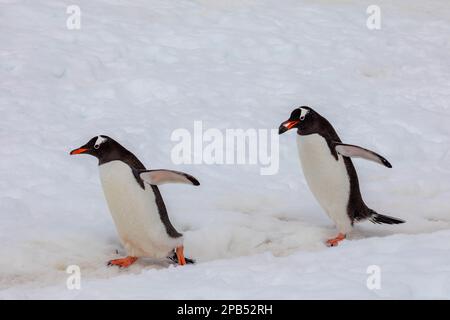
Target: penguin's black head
100	147
304	118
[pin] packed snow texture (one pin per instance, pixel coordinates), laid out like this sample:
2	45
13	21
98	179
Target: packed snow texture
137	70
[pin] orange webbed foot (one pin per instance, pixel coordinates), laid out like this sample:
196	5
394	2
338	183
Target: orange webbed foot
122	263
335	241
180	256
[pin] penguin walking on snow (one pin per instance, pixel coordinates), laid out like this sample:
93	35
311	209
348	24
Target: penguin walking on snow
330	173
135	202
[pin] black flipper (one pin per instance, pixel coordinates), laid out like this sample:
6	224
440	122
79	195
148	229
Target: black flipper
162	176
352	151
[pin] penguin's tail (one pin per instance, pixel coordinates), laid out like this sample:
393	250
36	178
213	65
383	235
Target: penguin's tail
379	218
173	257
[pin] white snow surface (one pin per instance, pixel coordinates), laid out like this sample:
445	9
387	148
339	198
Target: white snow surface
137	70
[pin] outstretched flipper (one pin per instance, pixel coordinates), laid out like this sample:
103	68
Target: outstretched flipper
162	176
352	151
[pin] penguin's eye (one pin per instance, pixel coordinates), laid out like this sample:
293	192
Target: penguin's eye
99	141
302	118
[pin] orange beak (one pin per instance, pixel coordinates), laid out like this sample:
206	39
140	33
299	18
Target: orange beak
285	126
78	151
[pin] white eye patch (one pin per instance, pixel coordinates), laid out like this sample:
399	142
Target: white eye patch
303	113
99	141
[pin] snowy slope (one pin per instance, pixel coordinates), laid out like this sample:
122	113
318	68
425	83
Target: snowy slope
137	70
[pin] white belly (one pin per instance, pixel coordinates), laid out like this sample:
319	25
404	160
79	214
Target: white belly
326	177
135	213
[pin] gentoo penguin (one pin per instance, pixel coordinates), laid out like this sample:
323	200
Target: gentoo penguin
135	202
330	173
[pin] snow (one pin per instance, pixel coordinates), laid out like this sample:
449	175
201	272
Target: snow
138	70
